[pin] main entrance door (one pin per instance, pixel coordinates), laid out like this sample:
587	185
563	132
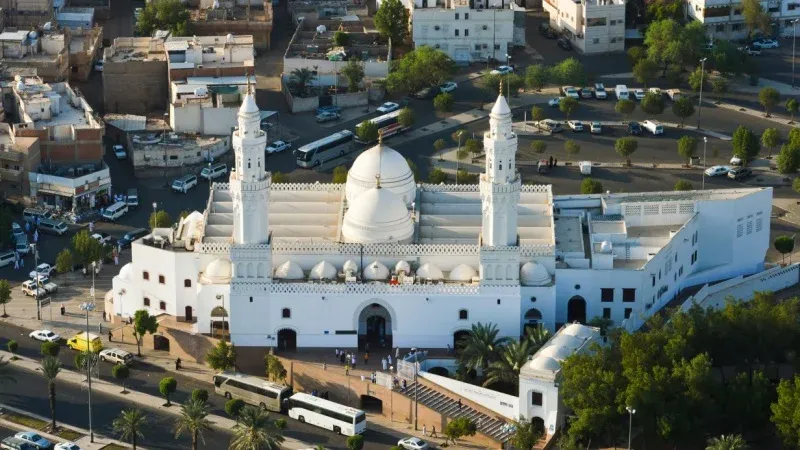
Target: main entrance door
374	327
576	310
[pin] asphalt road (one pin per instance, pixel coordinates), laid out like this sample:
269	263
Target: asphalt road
6	432
145	378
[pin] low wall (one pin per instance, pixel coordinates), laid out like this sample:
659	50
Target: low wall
304	104
744	288
504	404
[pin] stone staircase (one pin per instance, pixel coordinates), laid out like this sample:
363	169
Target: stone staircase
435	400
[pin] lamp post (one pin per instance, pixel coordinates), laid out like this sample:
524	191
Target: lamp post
36	280
122	292
631	412
705	141
155	217
89	306
794	40
416	404
700	100
164	143
458	153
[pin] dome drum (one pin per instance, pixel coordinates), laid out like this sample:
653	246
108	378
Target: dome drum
391	166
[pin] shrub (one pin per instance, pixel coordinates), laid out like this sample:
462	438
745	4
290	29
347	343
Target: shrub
167	387
280	424
121	372
444	102
355	442
200	394
13	346
234	407
50	349
590	186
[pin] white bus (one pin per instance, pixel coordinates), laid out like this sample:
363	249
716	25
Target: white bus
253	390
327	414
325	149
387	126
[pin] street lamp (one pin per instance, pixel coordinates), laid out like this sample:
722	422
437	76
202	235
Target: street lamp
155	217
164	143
705	142
794	39
122	292
631	412
458	154
89	306
700	100
36	280
416	404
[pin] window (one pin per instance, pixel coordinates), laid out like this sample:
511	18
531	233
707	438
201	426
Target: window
749	227
497	46
606	313
251	299
595	41
161	279
286	313
759	225
466	16
607	295
577	287
146	275
498	301
654	279
466	32
463	314
737	27
628	312
456	30
628	295
720	28
596	22
536	398
162	306
187	283
456	16
477	47
146	301
694	257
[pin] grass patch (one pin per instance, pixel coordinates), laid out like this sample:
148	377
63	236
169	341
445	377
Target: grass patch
70	435
28	422
114	447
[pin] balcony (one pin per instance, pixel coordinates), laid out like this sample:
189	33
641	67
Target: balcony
10	175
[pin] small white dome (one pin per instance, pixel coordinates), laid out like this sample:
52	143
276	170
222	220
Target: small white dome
377	216
289	270
219	270
462	272
605	247
545	363
566	340
578	330
555	351
350	266
500	106
376	271
402	266
396	175
533	274
126	273
323	271
429	271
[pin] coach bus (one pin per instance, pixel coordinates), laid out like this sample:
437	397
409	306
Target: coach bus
327	414
253	390
325	149
387	124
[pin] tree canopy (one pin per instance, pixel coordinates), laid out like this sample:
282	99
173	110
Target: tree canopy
169	15
569	71
354	72
422	67
745	144
391	21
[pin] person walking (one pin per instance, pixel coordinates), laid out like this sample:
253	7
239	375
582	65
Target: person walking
459	404
366	358
424	430
389	359
63	309
100	328
353	361
433	431
396	353
551	162
383	364
110	335
91	227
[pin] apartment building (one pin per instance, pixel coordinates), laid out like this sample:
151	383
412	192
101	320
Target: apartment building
45	51
18	157
135	76
592	26
209	56
238	17
724	19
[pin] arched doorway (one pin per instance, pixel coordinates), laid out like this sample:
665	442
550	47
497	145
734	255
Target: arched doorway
374	327
538	426
441	371
219	322
287	340
459	336
576	310
371	404
533	317
187	314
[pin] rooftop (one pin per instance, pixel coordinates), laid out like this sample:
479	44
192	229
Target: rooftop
50	105
314	40
135	49
571	338
674	196
256	13
70	170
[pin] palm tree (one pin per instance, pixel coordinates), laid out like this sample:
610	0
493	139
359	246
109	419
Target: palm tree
193	420
727	442
50	370
129	424
254	431
481	347
537	335
302	77
513	357
5	372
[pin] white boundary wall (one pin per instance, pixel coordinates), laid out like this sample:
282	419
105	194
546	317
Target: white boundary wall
503	404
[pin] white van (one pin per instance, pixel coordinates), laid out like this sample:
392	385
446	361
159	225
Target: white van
622	92
132	198
653	126
183	184
6	258
115	211
31	214
53	227
22	246
213	172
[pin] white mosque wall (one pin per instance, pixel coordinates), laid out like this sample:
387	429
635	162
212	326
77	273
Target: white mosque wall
209	296
543	300
551	411
503	404
587	283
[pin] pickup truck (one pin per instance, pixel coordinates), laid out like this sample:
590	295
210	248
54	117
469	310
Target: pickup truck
45	285
30	289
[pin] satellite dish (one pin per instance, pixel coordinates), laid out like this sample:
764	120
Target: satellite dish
48	26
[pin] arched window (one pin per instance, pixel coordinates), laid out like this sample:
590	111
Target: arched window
146	275
146	301
187	283
286	313
463	314
162	306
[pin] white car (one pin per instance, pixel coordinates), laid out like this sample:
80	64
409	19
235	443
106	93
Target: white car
600	91
102	238
278	146
450	86
638	94
596	128
67	446
716	171
752	51
765	43
576	125
116	356
413	443
16	230
43	269
736	161
33	438
656	91
570	91
502	70
554	101
44	336
388	107
119	152
98	66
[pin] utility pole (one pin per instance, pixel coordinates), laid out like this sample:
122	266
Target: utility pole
89	306
700	100
416	403
705	141
794	40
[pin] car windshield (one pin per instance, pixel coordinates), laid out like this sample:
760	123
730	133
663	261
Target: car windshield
34	437
49	334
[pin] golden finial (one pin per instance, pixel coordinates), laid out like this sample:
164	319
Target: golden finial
501	86
380	137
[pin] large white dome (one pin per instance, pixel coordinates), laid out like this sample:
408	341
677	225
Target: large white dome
430	271
376	271
462	272
395	174
533	274
377	216
219	271
323	271
545	363
578	330
289	270
556	352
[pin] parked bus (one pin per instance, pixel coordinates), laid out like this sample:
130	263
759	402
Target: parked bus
325	149
327	414
387	126
252	390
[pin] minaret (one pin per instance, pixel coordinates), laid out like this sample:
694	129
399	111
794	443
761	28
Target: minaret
500	184
250	181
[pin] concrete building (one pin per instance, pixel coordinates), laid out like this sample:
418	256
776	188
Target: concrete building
84	51
47	52
28	13
724	20
592	26
70	186
237	17
319	10
174	154
19	156
206	106
75	17
465	33
209	56
135	79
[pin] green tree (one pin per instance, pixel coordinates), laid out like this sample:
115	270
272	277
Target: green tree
406	117
439	145
536	76
770	139
355	442
590	186
64	261
525	436
539	146
697	79
784	244
755	17
341	38
169	15
279	177
625	147
645	71
5	368
537	113
791	107
160	219
683	185
281	424
653	103
464	177
480	347
12	346
568	105
511	84
50	368
5	295
786	410
167	387
50	349
437	176
254	430
692	42
636	54
720	87
234	407
664	9
727	59
422	67
460	427
129	425
121	372
569	71
473	146
663	45
687	147
200	394
353	71
444	102
222	356
795	186
367	131
193	420
300	78
391	21
769	98
505	370
625	107
143	323
727	442
745	144
87	249
683	108
571	147
340	175
274	368
788	159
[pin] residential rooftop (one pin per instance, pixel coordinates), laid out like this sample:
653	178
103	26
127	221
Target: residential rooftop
135	49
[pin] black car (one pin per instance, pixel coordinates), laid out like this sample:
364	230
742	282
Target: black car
127	240
634	128
738	173
564	43
547	31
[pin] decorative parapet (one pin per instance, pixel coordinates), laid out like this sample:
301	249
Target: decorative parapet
537	188
449	187
537	250
215	248
221	186
249	251
373	289
334	248
325	187
500	248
